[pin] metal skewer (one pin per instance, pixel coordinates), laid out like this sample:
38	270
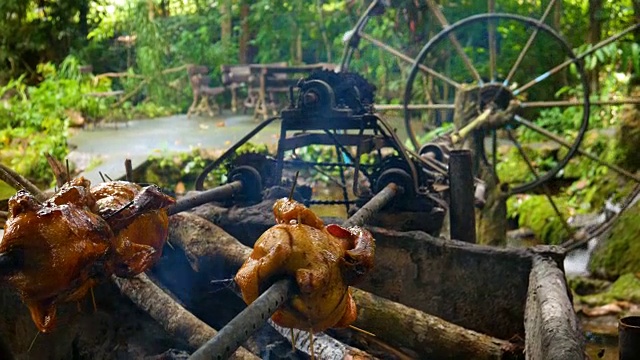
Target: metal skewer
238	330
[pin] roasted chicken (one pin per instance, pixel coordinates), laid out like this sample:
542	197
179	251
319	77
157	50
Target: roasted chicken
323	260
78	237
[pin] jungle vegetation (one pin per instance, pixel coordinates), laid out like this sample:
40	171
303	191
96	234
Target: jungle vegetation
52	53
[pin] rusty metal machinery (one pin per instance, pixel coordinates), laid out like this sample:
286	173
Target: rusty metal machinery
336	110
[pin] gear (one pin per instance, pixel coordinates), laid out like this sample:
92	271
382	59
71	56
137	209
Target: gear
263	164
351	89
392	165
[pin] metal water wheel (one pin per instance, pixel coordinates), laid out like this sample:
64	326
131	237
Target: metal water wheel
514	64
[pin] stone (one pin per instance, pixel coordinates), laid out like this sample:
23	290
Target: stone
618	252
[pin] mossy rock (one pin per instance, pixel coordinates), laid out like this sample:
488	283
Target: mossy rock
536	213
626	288
619	252
512	168
582	285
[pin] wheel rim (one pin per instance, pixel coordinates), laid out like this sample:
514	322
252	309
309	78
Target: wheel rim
492	18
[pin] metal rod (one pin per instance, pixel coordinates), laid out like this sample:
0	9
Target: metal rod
354	40
629	337
597	46
435	9
461	134
577	242
462	216
219	193
230	151
238	330
406	58
241	327
533	104
373	206
526	47
563	142
492	42
545	188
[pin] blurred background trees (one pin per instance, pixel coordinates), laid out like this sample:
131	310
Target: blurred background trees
47	41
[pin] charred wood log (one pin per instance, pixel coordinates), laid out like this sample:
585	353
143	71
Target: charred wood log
206	244
415	269
324	346
208	247
427	335
173	317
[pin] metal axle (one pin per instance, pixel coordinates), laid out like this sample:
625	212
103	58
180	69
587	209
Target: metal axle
219	193
246	323
238	330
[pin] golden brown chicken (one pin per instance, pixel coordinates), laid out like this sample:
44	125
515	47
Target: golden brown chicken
139	220
323	260
77	237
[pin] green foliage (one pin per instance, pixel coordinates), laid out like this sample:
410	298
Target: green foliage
168	169
29	29
512	168
314	27
34	119
581	285
324	154
536	213
143	110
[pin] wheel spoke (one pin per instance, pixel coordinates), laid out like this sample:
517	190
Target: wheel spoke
596	47
544	104
408	59
456	44
545	189
526	47
492	42
519	119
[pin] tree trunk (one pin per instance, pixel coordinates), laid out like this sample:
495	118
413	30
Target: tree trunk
226	21
593	36
245	34
82	21
557	16
151	8
164	8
